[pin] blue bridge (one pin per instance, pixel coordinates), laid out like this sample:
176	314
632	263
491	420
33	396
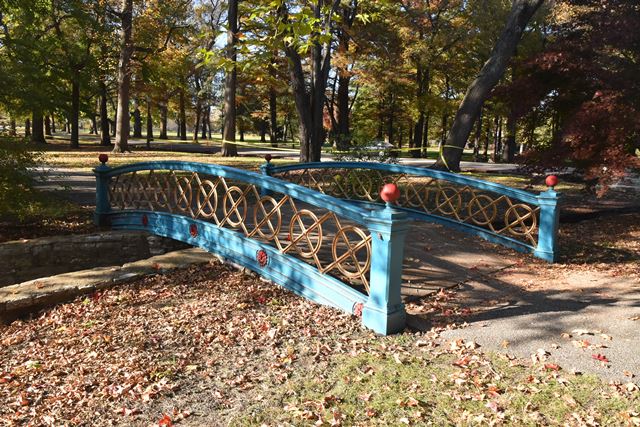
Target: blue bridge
322	230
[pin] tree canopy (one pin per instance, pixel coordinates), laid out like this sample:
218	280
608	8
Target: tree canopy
548	83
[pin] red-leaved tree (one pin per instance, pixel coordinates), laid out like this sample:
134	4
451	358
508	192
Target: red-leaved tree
586	80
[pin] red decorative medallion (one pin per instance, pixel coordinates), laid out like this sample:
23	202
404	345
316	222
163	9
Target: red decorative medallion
145	220
262	258
104	158
193	230
357	309
268	157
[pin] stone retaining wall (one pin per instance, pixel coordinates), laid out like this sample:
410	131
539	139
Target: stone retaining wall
23	260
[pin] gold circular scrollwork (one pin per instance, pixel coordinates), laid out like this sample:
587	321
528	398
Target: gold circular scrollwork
236	208
356	258
311	233
482	209
448	201
182	194
161	186
520	220
416	195
207	199
268	215
361	185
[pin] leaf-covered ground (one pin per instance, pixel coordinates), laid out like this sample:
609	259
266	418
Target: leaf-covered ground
212	346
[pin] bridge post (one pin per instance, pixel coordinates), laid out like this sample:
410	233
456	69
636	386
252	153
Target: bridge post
266	169
103	206
547	248
384	311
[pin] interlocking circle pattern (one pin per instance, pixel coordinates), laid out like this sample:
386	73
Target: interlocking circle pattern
351	250
206	206
268	217
234	205
309	232
482	209
521	220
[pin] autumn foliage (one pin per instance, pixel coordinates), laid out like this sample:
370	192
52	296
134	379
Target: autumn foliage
585	80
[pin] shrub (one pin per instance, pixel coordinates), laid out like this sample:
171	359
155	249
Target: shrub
16	184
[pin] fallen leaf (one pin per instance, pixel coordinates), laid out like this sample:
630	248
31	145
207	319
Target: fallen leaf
600	357
631	387
165	421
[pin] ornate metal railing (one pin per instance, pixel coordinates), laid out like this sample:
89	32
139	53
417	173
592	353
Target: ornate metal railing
518	219
333	253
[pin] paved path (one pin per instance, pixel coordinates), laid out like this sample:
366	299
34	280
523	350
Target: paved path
507	314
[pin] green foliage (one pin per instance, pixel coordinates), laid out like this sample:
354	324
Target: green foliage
15	159
18	199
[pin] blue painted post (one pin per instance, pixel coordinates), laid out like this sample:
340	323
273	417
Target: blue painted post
384	311
103	207
547	248
267	170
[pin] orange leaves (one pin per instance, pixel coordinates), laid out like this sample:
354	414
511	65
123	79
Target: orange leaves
165	421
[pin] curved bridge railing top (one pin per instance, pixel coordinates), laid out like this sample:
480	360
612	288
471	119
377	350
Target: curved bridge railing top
312	243
515	218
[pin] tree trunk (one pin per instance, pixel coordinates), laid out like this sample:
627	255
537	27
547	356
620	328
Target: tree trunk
53	124
163	121
509	149
273	114
425	135
75	110
390	117
105	139
497	142
416	138
263	130
196	125
485	154
310	103
124	79
114	123
37	128
443	137
47	126
208	113
183	117
149	124
422	82
480	88
27	128
137	122
476	140
12	127
229	149
205	120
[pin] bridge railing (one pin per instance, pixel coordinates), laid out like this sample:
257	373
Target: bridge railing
514	218
337	254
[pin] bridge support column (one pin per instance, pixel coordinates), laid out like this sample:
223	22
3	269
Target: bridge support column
103	206
547	248
384	311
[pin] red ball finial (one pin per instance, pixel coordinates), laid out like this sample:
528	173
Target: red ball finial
268	157
103	158
390	193
551	181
